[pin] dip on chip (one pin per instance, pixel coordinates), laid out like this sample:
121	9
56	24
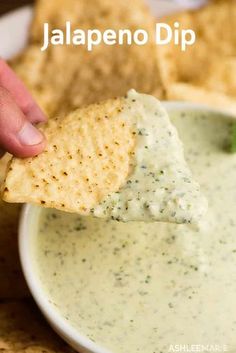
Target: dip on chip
120	159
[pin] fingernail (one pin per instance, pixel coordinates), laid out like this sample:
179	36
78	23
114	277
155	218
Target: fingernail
29	135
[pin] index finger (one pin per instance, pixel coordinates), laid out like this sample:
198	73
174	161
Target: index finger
18	91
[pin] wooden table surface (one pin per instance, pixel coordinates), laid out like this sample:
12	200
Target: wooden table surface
6	6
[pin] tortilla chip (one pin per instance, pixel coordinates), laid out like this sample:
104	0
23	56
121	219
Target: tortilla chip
44	75
87	157
3	166
23	330
101	14
209	64
64	78
90	161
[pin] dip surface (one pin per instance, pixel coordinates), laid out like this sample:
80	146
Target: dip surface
142	287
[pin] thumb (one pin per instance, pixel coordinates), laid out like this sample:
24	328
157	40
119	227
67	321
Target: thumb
17	135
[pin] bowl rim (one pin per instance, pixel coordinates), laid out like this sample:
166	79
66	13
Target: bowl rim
59	324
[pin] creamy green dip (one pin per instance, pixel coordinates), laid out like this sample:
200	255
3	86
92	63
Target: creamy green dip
145	287
160	186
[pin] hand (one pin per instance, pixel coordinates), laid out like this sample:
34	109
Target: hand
18	114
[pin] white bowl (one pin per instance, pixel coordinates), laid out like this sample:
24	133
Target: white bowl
27	232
